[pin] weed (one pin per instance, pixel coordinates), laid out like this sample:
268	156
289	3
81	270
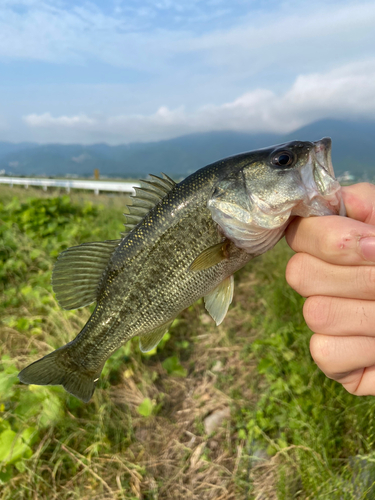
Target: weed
291	434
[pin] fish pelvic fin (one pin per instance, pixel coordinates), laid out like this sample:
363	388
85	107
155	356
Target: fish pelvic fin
148	341
219	299
58	368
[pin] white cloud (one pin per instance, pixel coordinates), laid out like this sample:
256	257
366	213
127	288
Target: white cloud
81	158
345	92
47	120
159	64
47	30
266	69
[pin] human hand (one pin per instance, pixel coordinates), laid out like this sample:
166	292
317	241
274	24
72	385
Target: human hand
335	268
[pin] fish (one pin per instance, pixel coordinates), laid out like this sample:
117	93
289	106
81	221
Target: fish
182	241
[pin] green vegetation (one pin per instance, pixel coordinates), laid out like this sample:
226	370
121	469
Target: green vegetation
291	434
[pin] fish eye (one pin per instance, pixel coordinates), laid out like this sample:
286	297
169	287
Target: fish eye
283	159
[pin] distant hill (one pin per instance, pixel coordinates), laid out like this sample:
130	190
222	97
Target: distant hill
353	150
353	144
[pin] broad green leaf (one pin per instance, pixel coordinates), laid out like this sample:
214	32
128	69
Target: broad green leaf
29	435
7	381
12	447
41	401
6	474
174	367
145	408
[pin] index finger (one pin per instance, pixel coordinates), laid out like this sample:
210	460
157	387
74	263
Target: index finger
334	239
359	200
340	240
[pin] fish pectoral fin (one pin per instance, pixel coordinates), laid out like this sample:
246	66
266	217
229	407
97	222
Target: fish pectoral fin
78	271
210	257
148	341
219	299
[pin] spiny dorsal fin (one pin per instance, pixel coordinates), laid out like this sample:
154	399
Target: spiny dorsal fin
219	299
210	257
146	197
164	181
148	341
78	271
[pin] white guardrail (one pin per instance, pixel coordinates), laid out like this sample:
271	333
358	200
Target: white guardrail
68	184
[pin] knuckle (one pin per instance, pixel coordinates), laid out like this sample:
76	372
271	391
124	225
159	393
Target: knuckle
321	348
366	279
294	272
319	313
327	354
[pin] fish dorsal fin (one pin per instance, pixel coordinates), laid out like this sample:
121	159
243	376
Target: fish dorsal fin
150	340
145	198
78	271
210	257
219	299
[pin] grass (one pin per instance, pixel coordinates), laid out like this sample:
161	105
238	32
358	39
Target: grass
291	433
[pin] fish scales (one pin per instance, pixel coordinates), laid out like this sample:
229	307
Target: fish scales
155	259
184	247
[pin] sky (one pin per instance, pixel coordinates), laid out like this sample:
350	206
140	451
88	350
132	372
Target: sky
120	71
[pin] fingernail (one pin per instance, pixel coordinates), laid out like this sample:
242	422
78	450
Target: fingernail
367	246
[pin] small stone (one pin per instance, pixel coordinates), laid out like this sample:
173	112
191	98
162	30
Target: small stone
218	367
212	444
213	421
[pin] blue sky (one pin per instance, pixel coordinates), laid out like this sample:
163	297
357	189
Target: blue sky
119	71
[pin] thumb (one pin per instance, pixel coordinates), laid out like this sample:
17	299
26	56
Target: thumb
359	201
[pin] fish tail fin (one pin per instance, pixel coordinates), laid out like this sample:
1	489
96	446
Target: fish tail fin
58	368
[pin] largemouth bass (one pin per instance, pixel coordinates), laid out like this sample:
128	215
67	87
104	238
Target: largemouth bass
182	242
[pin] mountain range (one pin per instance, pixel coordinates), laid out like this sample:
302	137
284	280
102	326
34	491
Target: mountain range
353	150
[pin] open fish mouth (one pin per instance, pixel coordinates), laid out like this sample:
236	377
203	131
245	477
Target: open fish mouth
335	202
322	150
323	191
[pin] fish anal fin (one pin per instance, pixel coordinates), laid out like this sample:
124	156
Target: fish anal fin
78	271
218	300
149	340
210	257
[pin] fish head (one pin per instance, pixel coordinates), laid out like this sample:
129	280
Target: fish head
263	190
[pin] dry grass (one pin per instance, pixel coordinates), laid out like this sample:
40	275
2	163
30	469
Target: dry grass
170	456
106	449
180	460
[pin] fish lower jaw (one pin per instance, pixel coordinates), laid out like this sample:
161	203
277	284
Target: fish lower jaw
335	202
341	210
333	197
328	204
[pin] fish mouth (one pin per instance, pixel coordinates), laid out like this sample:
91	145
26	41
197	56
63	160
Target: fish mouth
323	191
322	150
